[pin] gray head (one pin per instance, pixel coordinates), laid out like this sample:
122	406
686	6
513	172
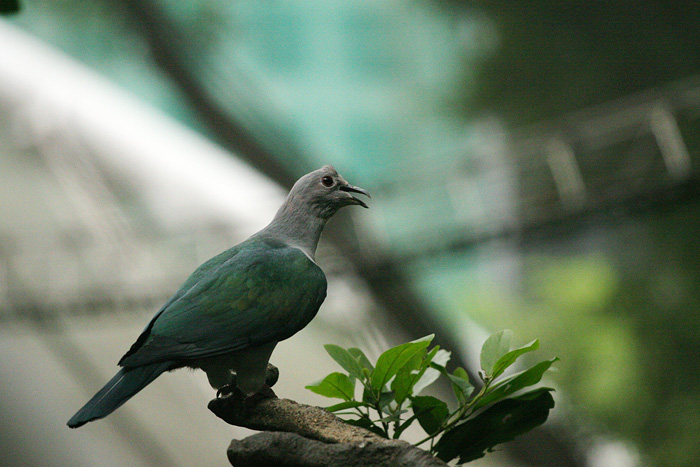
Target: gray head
313	199
324	191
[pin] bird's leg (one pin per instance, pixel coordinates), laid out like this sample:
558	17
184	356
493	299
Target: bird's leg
265	392
272	374
229	389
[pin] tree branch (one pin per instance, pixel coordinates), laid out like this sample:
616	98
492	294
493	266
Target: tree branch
305	436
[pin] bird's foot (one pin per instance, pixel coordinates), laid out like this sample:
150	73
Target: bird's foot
265	392
227	391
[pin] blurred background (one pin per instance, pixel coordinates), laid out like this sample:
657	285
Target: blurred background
533	166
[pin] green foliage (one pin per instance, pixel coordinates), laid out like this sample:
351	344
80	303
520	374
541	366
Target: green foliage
501	422
481	418
335	385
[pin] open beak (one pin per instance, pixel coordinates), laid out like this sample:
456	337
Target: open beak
355	189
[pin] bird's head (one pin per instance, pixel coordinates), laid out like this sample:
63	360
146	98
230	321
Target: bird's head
326	191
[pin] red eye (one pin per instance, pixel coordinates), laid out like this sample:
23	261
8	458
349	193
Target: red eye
327	181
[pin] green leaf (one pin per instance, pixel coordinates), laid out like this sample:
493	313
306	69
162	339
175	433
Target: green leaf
345	359
431	374
411	373
430	412
369	396
514	383
508	359
386	398
403	384
360	356
345	405
498	424
495	347
390	362
461	385
335	385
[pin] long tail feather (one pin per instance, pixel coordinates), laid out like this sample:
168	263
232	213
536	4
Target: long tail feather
124	385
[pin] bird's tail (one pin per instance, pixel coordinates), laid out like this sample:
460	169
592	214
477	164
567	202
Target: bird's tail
124	385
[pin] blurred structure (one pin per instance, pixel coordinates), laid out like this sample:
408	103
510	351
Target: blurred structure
532	167
100	223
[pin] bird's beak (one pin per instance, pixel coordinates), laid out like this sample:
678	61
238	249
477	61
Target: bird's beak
355	189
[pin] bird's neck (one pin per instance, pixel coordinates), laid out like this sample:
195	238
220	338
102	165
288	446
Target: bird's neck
297	226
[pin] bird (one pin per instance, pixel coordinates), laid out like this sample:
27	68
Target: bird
229	314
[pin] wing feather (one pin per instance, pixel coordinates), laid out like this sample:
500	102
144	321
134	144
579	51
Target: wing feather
264	292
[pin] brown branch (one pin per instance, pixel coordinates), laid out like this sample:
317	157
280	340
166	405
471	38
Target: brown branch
306	436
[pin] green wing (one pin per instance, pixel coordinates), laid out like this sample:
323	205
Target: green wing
258	292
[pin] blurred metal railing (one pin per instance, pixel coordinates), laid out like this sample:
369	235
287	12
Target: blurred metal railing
610	153
640	152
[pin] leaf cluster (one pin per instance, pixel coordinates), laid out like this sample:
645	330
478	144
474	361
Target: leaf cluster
480	418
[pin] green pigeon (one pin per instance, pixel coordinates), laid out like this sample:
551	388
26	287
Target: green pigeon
231	312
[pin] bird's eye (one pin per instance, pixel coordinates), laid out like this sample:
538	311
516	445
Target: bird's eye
327	181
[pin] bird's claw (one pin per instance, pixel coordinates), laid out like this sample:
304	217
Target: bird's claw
225	391
265	392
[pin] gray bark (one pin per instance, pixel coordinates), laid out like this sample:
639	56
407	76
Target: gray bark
305	436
